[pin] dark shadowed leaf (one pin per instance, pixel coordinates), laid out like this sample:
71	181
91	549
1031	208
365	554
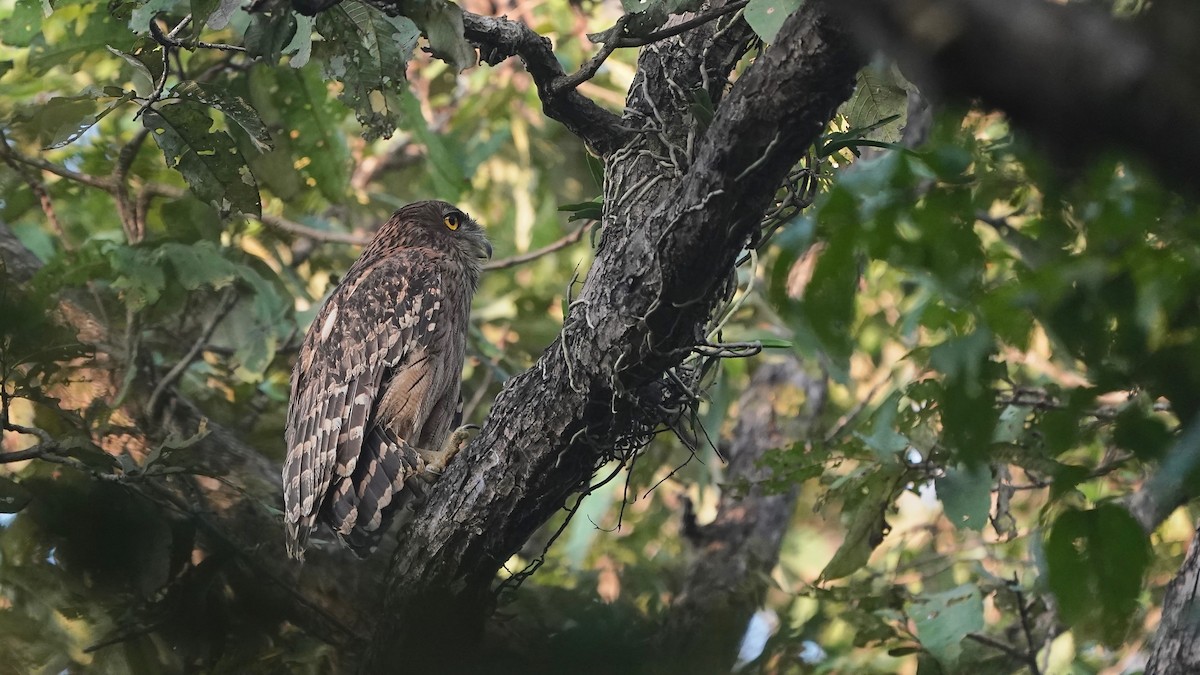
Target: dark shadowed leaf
1096	562
269	33
13	497
442	23
310	144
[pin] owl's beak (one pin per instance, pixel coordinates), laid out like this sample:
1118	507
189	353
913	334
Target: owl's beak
483	249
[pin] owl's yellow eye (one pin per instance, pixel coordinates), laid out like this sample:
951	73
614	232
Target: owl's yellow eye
452	221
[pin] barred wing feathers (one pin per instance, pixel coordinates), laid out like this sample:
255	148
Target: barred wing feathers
347	459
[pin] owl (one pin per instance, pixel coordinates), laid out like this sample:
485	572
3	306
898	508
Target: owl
375	389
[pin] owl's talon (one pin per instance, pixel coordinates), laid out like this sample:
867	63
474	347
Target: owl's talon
436	461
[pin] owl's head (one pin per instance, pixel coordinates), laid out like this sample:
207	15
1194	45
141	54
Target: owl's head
438	225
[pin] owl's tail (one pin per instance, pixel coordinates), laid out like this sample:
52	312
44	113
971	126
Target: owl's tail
363	505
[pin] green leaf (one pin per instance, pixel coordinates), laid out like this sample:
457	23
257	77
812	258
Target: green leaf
1096	562
879	96
13	497
144	78
883	437
449	177
269	33
199	264
201	10
829	298
867	499
235	108
311	143
94	34
766	17
442	23
966	496
58	121
368	51
144	13
137	276
219	18
1011	426
25	22
210	163
943	620
593	210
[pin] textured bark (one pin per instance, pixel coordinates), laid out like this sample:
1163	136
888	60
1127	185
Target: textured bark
1176	648
728	580
680	203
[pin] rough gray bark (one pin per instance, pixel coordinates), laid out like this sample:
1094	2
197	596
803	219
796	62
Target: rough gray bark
727	581
1176	648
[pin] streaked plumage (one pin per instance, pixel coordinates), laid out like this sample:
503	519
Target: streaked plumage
378	376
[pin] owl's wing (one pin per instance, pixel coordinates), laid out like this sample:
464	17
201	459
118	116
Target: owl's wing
377	324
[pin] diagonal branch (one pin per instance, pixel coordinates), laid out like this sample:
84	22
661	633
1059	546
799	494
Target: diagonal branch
644	305
500	38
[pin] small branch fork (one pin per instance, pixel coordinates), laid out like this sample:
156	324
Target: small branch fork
500	38
1028	656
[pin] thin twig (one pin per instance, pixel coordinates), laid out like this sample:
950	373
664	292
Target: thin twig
588	70
1009	650
530	256
684	26
1025	627
226	304
292	227
38	188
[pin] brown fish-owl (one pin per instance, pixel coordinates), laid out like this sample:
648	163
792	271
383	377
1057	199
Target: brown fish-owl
375	390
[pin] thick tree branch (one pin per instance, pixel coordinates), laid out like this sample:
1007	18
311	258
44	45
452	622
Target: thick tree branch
500	38
644	306
1070	73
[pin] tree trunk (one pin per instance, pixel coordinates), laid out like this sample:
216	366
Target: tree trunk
1176	648
681	202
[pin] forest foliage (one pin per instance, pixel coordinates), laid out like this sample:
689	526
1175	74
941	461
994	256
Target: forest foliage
1010	341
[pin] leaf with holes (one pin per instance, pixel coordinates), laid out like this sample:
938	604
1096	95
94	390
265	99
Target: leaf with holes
235	108
209	161
368	51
